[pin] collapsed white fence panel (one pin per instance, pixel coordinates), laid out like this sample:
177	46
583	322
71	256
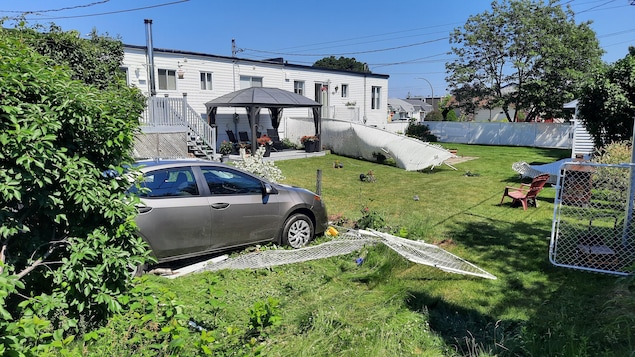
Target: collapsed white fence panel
349	241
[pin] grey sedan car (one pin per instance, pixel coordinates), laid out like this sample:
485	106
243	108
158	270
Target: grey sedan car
194	207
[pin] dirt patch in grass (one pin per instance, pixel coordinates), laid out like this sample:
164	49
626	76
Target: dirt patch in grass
459	159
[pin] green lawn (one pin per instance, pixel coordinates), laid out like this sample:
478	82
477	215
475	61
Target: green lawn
391	307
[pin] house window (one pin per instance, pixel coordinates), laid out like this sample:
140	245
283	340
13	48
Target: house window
298	87
124	74
248	81
374	97
167	79
206	81
344	90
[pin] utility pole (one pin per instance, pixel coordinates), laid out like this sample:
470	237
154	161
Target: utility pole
432	90
234	52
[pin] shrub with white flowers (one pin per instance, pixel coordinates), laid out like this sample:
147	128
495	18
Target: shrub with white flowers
258	166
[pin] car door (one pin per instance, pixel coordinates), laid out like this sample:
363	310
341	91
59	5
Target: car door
241	213
175	220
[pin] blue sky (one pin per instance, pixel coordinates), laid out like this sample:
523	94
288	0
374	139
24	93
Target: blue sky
406	39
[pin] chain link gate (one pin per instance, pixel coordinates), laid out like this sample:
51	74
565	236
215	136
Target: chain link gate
593	209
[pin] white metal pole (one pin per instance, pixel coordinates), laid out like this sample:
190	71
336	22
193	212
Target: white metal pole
631	192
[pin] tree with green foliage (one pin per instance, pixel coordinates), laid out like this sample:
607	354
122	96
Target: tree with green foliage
434	115
343	63
446	106
525	55
95	61
67	236
607	103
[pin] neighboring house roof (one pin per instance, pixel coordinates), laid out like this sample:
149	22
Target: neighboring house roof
399	105
419	104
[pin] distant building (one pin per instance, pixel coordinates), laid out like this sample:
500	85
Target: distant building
399	109
421	106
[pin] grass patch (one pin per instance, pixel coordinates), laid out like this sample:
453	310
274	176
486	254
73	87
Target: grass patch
390	307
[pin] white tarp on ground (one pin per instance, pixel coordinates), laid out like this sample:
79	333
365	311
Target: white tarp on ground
358	140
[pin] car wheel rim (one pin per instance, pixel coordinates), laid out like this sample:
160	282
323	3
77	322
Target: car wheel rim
299	233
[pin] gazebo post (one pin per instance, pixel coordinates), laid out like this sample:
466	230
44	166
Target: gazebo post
253	114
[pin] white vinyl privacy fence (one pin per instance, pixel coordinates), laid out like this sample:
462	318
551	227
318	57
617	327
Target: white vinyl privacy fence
546	135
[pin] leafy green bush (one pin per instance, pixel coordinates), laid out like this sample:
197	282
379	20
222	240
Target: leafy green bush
617	178
68	233
614	153
434	115
421	132
288	144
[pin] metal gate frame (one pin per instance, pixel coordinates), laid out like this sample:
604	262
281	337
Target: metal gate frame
593	210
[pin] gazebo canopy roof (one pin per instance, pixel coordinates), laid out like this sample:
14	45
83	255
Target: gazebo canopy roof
262	97
256	98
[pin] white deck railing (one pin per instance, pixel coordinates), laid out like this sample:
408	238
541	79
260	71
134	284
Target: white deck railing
175	112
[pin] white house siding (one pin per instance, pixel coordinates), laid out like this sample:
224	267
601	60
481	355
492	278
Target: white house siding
226	79
582	140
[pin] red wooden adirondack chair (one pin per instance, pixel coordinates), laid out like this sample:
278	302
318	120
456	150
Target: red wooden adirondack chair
526	193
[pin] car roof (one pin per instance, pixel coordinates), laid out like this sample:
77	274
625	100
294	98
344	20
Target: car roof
149	163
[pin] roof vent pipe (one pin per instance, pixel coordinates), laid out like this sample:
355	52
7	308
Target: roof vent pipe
150	56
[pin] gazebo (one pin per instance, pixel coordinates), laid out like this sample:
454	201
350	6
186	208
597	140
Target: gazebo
255	98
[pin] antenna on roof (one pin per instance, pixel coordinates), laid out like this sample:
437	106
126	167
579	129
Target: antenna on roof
234	49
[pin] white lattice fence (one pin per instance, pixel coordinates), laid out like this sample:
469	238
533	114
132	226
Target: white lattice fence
592	224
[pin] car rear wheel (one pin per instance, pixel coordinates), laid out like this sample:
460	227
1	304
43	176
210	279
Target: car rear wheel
298	230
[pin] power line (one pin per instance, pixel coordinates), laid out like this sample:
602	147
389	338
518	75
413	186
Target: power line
346	53
367	42
55	10
416	60
281	53
114	12
595	7
372	36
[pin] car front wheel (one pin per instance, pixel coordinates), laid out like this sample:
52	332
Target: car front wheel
298	231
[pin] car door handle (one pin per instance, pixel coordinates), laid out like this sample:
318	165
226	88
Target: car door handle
220	205
144	209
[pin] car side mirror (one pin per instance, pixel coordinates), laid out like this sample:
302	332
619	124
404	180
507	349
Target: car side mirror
269	190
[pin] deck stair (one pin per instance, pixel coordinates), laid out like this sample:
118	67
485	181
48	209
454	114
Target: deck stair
168	114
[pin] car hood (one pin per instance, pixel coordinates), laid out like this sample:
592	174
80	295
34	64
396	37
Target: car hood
294	188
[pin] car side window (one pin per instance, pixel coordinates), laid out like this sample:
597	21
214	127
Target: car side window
222	181
169	183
